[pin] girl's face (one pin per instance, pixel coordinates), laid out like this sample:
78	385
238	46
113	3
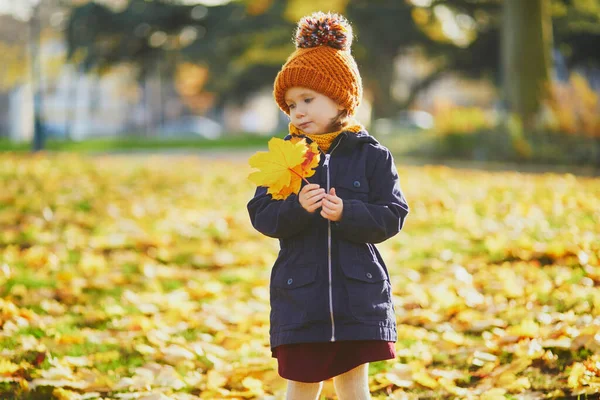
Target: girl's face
311	111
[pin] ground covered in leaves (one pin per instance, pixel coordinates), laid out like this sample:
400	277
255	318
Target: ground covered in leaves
142	278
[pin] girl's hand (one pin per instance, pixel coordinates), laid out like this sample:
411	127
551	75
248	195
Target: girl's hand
310	197
332	206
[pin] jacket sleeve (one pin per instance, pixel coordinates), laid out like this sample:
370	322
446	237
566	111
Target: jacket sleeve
279	219
383	216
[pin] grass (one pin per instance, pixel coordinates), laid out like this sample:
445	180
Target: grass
486	150
29	282
234	141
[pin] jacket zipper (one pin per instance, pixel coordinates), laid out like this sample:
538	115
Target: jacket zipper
326	164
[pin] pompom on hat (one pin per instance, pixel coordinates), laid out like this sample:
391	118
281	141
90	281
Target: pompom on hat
322	62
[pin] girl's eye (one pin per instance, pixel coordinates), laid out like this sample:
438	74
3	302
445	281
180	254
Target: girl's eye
308	100
291	106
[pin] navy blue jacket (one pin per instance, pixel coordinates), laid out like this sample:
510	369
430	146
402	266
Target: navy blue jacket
329	281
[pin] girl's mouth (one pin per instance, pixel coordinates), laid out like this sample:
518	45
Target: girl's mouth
304	125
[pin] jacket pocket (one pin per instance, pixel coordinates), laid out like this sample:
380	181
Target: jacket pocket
292	288
353	187
369	291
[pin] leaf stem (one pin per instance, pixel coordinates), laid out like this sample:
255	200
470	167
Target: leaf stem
304	179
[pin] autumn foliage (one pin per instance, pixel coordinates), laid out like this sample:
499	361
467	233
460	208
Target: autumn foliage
573	108
142	277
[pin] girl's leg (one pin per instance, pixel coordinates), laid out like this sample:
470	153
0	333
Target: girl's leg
354	384
303	391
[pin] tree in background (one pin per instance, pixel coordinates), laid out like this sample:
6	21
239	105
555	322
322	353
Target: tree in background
526	63
532	37
243	44
146	35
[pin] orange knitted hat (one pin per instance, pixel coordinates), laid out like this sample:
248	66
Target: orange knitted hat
322	62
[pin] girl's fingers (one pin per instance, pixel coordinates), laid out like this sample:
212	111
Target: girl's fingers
330	204
333	199
309	187
329	210
320	194
327	215
315	194
312	190
315	201
314	206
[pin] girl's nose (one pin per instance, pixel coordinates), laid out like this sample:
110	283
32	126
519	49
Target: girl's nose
299	113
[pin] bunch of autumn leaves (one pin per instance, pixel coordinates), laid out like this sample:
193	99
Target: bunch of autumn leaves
283	168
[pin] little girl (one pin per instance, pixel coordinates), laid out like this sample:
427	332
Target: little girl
331	301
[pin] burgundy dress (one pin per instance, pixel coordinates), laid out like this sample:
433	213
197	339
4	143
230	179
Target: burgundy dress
316	362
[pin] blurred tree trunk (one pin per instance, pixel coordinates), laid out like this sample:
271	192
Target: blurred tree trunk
72	102
160	94
147	96
39	139
526	62
379	74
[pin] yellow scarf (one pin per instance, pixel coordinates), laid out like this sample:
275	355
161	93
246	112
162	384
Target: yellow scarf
324	140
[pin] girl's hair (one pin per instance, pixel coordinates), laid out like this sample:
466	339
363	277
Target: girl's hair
339	122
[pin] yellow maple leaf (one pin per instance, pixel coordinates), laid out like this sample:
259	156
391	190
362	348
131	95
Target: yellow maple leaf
311	160
284	166
304	170
292	187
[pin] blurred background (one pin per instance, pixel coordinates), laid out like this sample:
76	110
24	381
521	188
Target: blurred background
482	80
139	270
